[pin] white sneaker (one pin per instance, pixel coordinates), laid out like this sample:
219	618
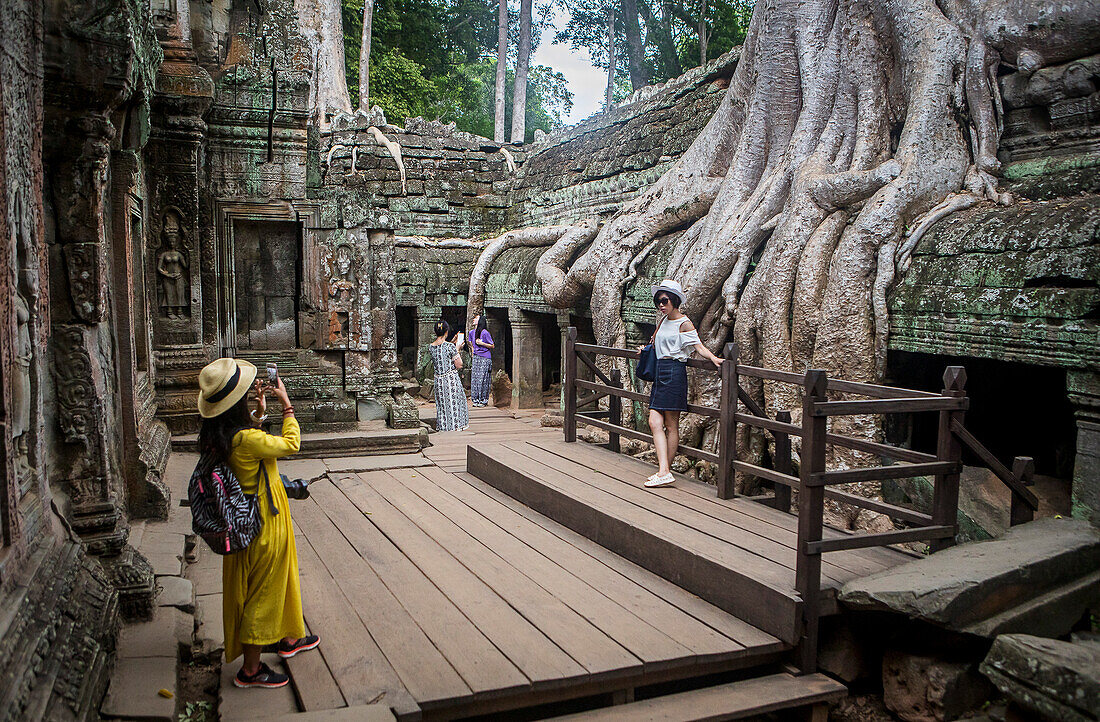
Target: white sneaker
656	481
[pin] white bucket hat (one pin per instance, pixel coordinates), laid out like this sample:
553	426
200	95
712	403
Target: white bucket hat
672	287
222	383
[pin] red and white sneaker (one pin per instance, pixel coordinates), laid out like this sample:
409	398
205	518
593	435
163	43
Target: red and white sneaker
286	651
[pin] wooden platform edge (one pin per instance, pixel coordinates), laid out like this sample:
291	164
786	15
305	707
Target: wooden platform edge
735	700
739	595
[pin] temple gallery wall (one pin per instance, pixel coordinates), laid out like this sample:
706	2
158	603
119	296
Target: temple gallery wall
168	201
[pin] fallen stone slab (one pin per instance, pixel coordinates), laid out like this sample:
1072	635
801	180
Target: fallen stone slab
1047	614
358	713
135	686
1054	679
963	585
169	629
175	592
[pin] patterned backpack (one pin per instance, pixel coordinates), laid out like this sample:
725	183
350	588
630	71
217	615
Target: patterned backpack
221	513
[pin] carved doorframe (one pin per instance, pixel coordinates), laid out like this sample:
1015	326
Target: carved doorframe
226	212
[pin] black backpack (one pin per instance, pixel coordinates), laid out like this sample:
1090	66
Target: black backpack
221	513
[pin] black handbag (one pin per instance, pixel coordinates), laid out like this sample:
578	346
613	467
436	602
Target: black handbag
647	364
647	360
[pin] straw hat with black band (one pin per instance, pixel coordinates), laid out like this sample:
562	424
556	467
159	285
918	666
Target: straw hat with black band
222	384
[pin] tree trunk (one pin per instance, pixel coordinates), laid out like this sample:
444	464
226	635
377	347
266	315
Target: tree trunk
519	92
703	34
502	71
659	32
323	28
635	53
364	57
840	134
610	58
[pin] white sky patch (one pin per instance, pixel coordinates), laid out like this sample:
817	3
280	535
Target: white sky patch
587	83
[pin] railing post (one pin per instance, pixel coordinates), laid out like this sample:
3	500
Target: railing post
783	463
615	410
811	507
727	426
945	495
569	423
1023	468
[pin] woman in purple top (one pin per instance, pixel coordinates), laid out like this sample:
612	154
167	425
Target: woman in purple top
481	345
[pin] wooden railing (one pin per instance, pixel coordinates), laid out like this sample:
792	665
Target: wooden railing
813	481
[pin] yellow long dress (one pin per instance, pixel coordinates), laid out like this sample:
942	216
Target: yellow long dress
262	601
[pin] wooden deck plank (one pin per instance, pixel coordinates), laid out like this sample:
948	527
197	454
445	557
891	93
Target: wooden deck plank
631	587
735	700
594	650
753	588
480	664
540	660
710	615
740	532
653	647
313	681
630	470
423	670
359	667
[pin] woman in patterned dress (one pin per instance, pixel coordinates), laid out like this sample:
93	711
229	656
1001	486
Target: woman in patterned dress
451	413
481	346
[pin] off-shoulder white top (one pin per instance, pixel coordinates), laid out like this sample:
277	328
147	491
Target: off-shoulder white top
671	342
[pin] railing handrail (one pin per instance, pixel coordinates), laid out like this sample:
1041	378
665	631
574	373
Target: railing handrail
813	481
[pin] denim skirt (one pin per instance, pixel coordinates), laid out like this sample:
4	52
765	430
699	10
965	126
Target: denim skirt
670	389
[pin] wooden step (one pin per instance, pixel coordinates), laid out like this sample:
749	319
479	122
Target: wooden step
737	700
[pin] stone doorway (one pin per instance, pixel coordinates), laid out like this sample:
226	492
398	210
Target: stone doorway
267	278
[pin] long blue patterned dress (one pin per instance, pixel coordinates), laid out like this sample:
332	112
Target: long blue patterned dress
450	398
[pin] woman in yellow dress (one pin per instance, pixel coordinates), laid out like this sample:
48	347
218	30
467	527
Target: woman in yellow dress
262	601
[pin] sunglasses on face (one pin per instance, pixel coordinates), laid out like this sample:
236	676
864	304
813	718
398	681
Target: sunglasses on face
661	300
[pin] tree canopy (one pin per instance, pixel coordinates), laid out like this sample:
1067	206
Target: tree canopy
437	59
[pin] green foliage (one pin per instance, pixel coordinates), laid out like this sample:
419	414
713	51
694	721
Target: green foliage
197	712
675	20
437	59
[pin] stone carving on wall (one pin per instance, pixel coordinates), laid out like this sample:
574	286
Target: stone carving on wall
76	395
173	269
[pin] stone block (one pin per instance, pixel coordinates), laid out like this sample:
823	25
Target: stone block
206	573
161	637
961	586
210	635
166	564
254	703
1054	679
135	684
926	689
175	592
842	655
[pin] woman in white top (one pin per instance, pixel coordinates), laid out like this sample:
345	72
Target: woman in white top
673	341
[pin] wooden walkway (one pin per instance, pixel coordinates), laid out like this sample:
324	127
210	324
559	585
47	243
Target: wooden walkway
441	597
737	554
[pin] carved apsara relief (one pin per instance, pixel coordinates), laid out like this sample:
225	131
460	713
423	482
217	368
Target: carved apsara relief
173	269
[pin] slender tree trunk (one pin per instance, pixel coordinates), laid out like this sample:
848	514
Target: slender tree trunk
635	53
364	57
502	71
610	57
519	92
703	35
659	29
322	24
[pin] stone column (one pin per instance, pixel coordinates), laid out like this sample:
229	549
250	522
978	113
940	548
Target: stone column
526	360
495	326
426	318
1083	388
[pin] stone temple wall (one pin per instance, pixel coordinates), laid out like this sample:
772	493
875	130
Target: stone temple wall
592	168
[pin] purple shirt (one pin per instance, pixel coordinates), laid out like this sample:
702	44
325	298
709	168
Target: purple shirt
480	350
